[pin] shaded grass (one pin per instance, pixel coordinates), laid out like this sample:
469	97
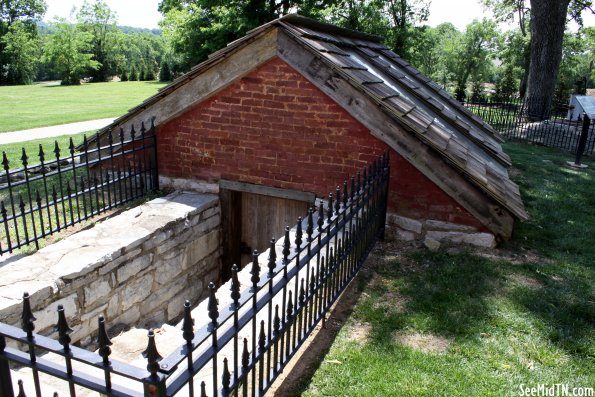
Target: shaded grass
524	317
43	105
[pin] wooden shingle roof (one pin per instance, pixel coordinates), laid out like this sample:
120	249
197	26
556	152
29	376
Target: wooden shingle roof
417	104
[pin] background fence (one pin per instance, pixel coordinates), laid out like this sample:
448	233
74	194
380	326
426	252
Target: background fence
554	129
37	200
247	331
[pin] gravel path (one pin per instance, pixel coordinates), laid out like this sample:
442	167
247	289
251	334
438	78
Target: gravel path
55	130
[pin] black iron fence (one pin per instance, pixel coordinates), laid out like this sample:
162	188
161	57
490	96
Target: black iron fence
37	200
553	129
247	335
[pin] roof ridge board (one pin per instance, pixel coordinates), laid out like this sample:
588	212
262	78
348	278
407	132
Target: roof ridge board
299	20
419	91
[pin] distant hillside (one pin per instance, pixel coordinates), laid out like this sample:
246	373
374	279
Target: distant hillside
46	28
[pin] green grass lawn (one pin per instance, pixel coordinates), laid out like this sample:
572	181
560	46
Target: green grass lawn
473	323
41	105
14	151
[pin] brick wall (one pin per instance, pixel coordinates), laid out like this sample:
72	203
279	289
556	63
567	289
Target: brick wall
273	127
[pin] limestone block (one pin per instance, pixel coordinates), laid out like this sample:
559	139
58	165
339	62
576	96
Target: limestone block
175	307
404	235
431	244
113	307
108	267
208	224
210	212
95	313
128	317
134	267
97	291
166	270
48	316
200	248
408	224
447	226
136	291
485	240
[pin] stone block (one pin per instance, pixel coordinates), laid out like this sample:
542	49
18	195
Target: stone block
95	313
200	248
447	226
136	290
175	307
48	316
431	244
134	267
108	267
166	271
404	235
485	240
408	224
97	291
129	317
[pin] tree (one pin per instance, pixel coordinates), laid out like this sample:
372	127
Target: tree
470	54
124	75
21	48
547	25
548	22
26	12
133	74
165	72
69	51
100	21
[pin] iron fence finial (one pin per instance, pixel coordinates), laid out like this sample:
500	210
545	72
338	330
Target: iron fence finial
27	318
188	324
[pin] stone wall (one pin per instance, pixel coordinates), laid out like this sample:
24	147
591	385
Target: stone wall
135	269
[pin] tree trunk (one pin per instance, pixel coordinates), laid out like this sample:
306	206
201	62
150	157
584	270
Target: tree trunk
548	20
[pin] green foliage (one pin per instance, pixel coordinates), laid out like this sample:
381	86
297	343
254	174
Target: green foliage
124	75
165	72
69	52
507	85
133	74
99	21
18	39
21	47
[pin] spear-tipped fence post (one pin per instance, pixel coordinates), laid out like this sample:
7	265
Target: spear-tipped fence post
298	235
104	350
5	378
21	389
272	258
320	220
286	246
225	378
154	384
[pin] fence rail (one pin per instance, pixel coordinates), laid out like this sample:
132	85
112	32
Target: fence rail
38	200
244	337
554	129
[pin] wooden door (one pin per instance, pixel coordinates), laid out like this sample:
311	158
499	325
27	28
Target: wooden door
265	217
250	220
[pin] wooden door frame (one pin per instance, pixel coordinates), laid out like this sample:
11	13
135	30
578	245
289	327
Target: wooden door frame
230	195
